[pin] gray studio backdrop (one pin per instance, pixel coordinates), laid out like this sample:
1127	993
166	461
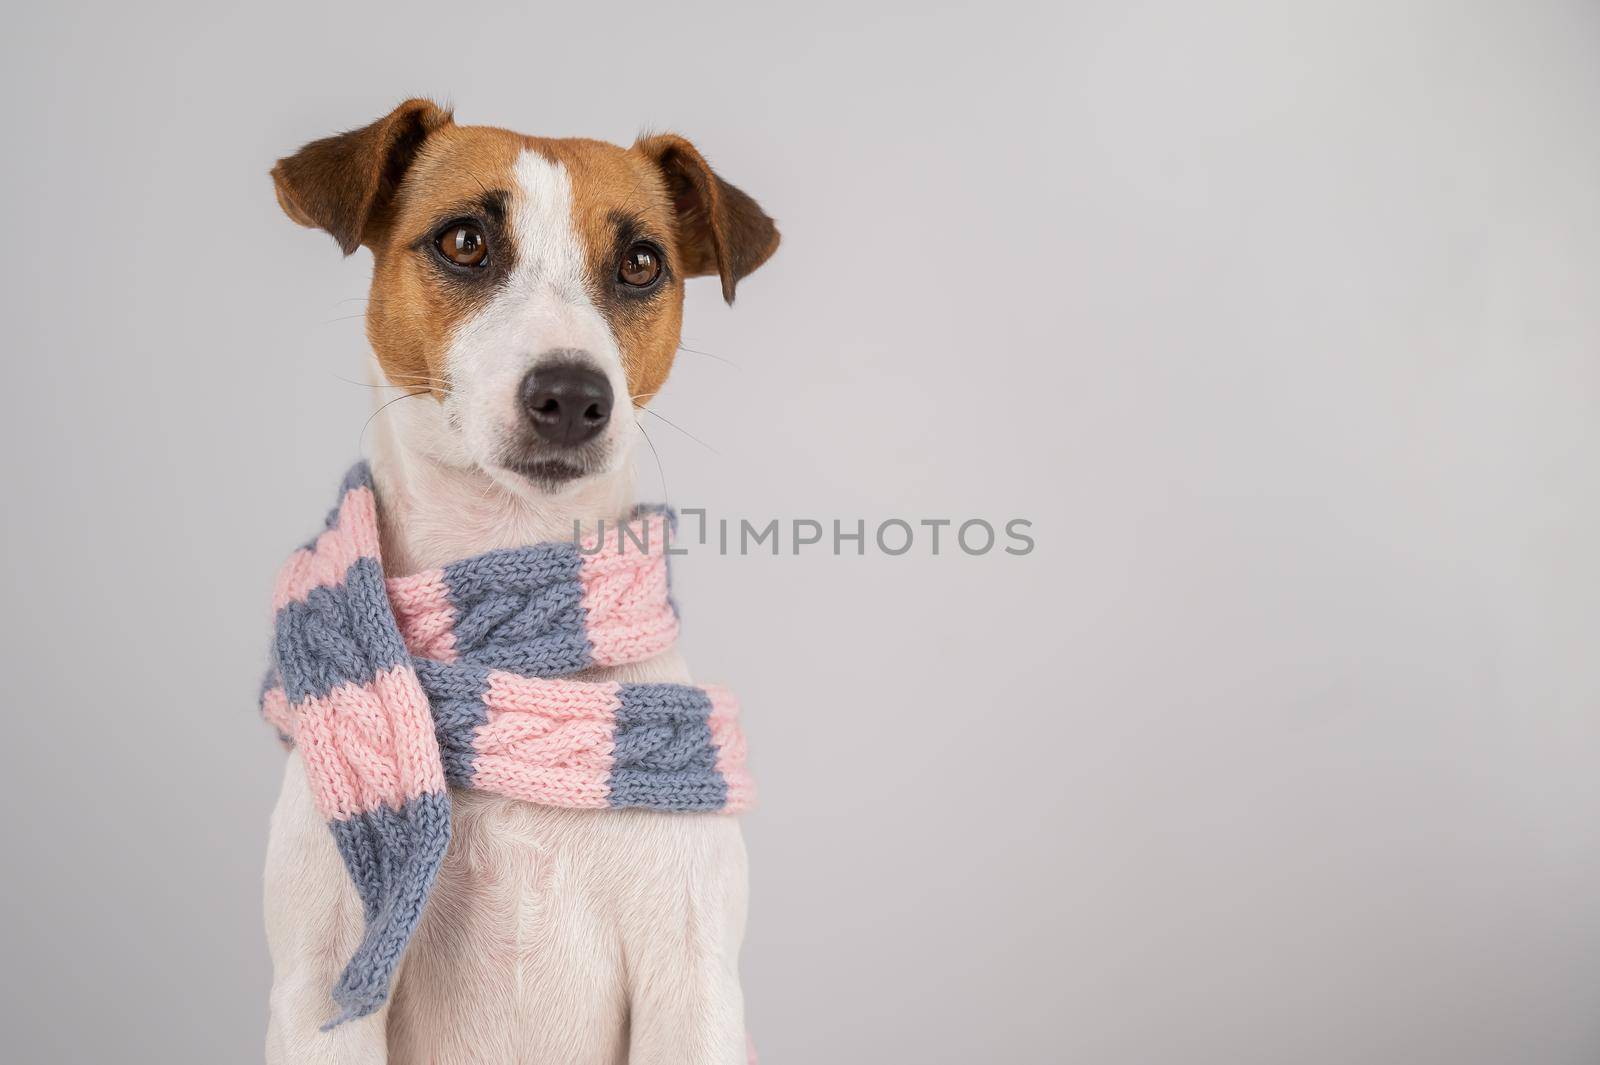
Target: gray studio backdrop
1279	321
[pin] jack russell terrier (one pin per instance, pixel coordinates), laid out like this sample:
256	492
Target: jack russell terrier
526	297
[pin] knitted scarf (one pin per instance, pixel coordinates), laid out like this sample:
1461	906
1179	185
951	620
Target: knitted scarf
392	689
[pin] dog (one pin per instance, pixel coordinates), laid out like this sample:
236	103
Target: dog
526	297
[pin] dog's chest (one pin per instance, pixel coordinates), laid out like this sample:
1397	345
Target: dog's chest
544	916
517	863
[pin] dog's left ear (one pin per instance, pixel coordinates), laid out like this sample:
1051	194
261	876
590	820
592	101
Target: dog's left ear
720	229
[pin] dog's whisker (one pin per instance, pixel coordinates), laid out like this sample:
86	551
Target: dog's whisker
420	378
361	439
421	381
440	386
681	429
661	471
707	354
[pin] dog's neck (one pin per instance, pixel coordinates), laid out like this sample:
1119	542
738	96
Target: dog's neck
435	513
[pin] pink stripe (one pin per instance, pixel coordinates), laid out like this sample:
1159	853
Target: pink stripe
625	596
547	741
510	694
275	708
514	778
369	746
427	619
416	749
729	740
324	564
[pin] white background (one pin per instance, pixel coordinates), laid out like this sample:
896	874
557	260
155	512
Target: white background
1279	320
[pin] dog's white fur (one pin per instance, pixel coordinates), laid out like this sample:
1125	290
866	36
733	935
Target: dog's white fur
567	937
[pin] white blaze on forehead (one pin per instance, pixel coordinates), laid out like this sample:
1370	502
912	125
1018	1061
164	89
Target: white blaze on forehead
547	247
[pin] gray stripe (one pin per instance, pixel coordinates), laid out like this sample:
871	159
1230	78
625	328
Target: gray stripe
521	610
341	635
455	695
393	856
664	757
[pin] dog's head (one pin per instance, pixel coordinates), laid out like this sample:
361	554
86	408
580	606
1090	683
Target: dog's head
532	287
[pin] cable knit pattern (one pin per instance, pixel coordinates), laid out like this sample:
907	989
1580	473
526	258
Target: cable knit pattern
393	689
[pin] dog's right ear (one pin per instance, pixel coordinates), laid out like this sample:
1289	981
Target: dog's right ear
344	183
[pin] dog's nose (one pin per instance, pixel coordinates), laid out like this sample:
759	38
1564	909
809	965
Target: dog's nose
568	404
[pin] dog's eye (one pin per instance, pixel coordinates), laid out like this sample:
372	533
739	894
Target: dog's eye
464	244
640	266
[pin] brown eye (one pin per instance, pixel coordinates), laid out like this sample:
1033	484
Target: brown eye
464	244
640	266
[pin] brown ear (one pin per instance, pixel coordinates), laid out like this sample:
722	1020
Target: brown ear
720	229
344	183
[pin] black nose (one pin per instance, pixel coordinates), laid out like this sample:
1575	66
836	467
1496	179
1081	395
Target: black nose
568	404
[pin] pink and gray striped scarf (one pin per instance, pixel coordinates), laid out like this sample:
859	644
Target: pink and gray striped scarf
395	689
